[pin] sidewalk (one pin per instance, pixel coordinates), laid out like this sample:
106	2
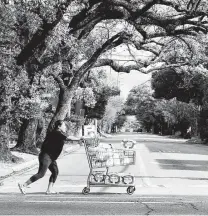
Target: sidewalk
28	161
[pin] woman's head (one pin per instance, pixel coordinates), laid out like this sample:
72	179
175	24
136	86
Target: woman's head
60	126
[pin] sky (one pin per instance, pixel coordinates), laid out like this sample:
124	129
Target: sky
126	81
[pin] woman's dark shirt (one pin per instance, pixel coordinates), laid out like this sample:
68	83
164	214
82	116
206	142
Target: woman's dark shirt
53	144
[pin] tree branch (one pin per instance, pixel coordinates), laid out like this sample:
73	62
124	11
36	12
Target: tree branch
173	5
59	81
187	44
86	20
149	49
144	46
132	12
150	68
50	60
156	42
141	68
116	67
38	40
193	5
114	41
132	55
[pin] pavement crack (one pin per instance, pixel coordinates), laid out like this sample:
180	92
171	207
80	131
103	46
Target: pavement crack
150	210
193	206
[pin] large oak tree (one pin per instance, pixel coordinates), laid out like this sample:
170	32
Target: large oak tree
154	22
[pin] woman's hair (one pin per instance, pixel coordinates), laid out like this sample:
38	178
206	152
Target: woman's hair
58	123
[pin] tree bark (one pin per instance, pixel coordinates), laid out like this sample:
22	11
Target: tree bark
5	154
27	137
41	132
63	107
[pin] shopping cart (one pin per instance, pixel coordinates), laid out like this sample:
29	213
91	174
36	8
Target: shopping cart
104	158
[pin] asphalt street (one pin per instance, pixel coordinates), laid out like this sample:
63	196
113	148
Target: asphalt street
170	177
101	204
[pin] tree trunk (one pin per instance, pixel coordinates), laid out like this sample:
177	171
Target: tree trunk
27	134
63	107
27	137
41	132
5	153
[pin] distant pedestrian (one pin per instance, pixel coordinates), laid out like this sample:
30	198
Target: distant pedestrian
50	151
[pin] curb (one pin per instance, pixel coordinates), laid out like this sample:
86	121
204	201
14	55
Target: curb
19	169
31	164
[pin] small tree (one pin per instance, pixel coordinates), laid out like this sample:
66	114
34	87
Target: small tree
114	105
120	119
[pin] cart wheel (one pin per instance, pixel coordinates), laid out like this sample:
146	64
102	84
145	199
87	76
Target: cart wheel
130	190
86	190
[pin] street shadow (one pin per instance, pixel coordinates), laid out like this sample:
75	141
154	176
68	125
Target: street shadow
40	193
61	194
161	141
18	197
195	165
177	148
171	177
93	193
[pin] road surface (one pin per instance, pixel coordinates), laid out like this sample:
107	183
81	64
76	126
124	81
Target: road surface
171	179
100	204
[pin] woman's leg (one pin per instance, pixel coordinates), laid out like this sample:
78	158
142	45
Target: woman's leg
44	163
54	173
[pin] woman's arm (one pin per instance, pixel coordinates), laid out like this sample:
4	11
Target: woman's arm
73	138
69	137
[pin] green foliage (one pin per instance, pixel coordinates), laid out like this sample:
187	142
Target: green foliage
131	123
120	120
186	86
161	116
74	123
190	87
102	97
102	92
86	95
136	98
113	109
18	99
166	84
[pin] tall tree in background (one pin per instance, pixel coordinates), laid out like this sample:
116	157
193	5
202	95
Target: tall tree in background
114	106
186	86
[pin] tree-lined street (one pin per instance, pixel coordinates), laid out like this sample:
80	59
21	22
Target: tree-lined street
170	177
54	54
60	67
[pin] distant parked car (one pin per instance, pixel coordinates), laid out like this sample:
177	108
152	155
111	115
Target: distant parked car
138	130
